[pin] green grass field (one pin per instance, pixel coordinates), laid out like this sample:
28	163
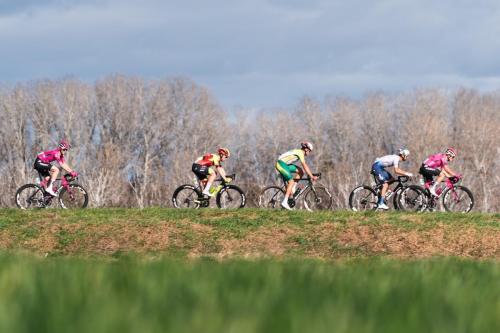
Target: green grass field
164	270
166	295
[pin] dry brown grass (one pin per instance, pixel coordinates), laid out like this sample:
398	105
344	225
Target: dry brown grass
325	240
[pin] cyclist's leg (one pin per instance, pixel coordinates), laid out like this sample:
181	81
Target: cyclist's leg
383	177
429	175
201	173
286	172
43	170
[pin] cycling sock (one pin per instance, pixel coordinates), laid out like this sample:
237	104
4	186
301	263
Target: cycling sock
206	190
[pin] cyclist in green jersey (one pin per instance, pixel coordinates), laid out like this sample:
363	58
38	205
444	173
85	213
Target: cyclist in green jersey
286	167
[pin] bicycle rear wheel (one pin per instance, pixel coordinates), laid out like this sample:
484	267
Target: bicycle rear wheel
271	197
411	198
30	196
186	196
231	196
318	198
73	197
458	199
363	198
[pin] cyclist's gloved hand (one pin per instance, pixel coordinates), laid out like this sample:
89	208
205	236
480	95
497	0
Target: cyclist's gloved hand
409	174
73	174
228	179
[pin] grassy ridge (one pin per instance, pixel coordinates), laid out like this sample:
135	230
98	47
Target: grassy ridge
249	233
166	295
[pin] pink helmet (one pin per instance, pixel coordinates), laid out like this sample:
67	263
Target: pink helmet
451	152
64	144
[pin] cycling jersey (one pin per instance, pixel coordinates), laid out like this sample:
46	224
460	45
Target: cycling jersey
292	156
388	161
51	156
285	162
209	160
437	161
378	168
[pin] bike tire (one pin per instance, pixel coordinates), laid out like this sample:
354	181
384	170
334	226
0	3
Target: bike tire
271	197
395	198
411	198
318	198
231	196
29	196
463	202
186	196
363	198
76	197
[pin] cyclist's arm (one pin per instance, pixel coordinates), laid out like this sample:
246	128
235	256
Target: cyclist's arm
66	167
449	172
222	173
308	171
402	172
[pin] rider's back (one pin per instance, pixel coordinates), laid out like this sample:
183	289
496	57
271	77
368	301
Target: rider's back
51	156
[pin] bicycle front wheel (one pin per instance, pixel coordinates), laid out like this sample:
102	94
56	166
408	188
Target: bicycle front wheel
186	196
363	198
318	198
75	196
271	197
30	196
411	198
458	199
231	196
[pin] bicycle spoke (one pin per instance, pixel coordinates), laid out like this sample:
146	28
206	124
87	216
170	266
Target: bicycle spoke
271	197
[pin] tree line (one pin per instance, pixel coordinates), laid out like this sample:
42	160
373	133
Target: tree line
134	140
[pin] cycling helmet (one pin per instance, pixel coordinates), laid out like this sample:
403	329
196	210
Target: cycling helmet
306	145
403	152
451	152
64	144
224	152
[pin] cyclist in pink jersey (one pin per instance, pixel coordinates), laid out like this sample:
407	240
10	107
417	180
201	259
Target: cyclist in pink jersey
45	167
437	165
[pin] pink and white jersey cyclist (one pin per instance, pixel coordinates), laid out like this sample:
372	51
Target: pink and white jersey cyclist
437	165
44	164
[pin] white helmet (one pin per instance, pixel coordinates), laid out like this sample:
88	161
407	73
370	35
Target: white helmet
306	145
403	152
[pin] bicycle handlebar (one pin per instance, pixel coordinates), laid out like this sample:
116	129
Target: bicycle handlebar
314	174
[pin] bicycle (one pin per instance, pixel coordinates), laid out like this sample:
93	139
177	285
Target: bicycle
191	196
314	197
455	198
69	194
365	197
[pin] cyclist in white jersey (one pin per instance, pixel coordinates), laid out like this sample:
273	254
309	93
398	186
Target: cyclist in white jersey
286	167
383	176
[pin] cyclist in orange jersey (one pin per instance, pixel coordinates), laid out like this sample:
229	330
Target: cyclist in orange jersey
204	166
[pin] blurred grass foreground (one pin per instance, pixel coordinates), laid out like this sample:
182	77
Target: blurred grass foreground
133	294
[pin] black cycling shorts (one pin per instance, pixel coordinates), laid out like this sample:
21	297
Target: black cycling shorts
42	167
428	173
201	171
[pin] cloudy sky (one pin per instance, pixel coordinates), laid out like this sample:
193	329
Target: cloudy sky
257	53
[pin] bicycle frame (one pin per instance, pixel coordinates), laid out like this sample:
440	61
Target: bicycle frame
200	182
450	183
302	190
64	182
205	201
400	181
